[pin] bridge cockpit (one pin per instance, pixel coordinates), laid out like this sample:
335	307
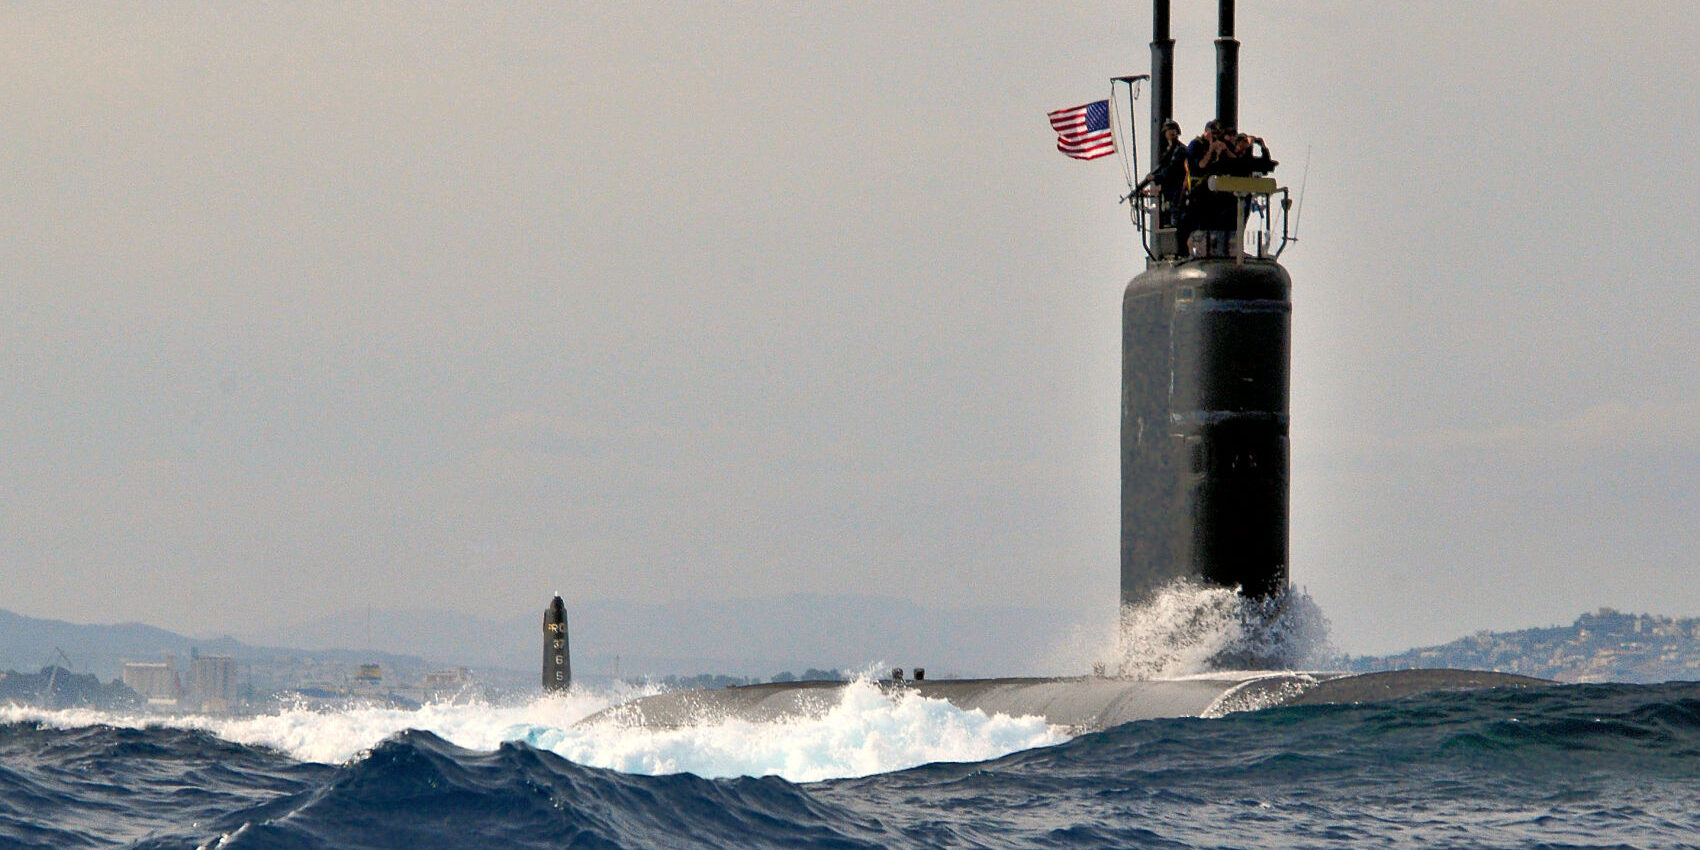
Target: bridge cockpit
1218	203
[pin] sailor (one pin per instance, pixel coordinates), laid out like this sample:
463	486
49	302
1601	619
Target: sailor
1240	161
1168	177
1202	209
1201	145
1243	162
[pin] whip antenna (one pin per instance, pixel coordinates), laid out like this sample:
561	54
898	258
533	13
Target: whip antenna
1299	214
1116	121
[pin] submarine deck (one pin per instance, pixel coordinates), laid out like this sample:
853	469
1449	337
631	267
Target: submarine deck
1081	704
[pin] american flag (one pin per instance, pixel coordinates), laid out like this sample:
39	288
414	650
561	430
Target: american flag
1084	131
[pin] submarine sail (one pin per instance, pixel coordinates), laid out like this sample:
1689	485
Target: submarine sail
1205	359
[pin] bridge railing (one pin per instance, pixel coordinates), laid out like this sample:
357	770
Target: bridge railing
1253	230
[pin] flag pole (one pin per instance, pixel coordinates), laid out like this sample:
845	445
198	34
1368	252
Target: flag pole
1132	82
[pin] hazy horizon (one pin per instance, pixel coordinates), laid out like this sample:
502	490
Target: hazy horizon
309	308
643	639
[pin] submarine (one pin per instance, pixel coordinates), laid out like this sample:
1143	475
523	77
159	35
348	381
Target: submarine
1206	353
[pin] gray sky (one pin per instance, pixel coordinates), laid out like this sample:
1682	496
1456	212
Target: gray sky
309	307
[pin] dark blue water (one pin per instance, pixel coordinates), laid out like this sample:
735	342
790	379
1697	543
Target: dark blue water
1574	766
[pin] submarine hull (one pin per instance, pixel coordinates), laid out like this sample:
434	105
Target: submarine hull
1205	360
1079	704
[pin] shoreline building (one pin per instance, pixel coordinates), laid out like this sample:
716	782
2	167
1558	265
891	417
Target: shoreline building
212	683
154	681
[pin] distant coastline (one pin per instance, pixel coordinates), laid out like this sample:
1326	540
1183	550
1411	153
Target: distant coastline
1604	646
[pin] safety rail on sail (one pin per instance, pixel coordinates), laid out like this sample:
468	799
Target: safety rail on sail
1252	205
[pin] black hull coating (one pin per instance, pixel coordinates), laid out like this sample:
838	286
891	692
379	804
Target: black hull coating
1077	704
1205	354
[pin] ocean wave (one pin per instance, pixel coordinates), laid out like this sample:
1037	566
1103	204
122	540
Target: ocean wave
1596	765
866	731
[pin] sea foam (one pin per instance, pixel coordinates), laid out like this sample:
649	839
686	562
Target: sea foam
867	731
1185	630
1189	629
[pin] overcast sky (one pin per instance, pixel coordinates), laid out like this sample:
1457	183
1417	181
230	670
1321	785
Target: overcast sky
306	307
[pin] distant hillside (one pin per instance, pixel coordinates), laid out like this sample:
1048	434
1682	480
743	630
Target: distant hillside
758	637
1605	646
28	644
763	637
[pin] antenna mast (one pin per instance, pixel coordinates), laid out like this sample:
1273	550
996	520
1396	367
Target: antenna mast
1162	75
1227	66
